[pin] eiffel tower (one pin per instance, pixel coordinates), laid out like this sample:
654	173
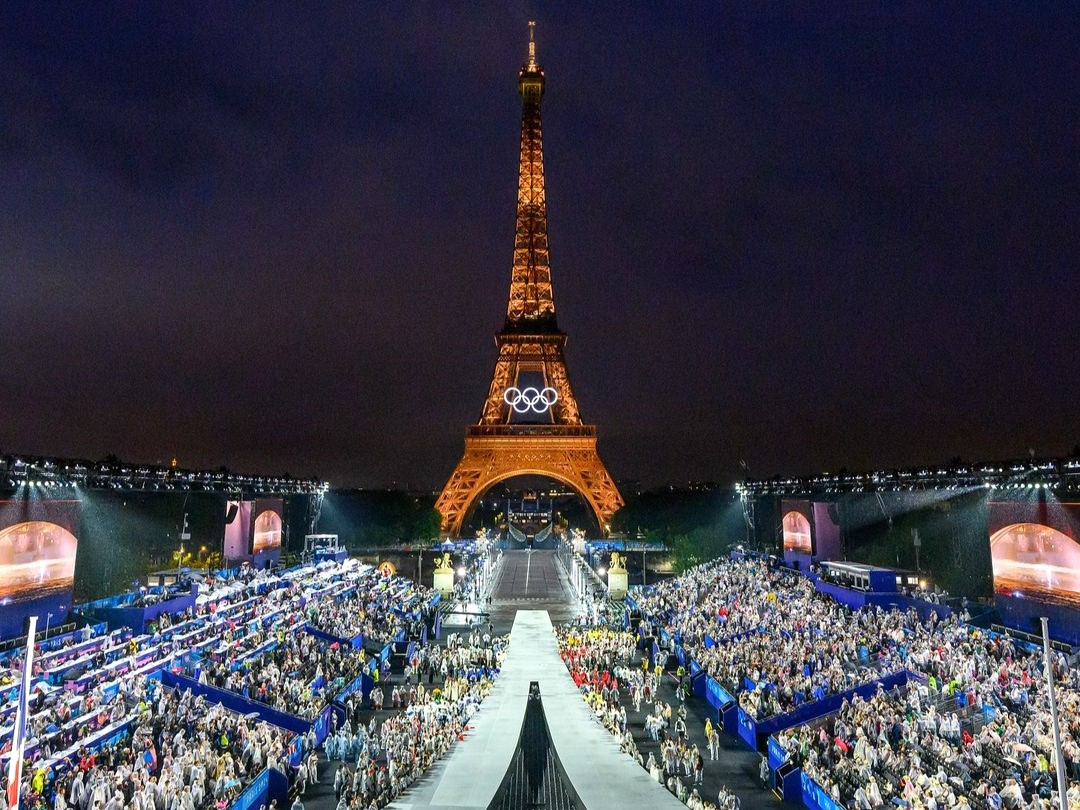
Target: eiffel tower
530	423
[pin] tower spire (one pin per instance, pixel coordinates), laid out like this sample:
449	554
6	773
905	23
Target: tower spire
531	306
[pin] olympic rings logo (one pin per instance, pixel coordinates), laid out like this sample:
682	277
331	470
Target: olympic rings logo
537	400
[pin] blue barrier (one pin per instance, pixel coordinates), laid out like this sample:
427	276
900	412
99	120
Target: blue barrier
715	694
332	639
791	785
270	783
885	600
116	614
815	797
697	682
729	718
755	732
1019	611
106	735
363	684
322	724
56	642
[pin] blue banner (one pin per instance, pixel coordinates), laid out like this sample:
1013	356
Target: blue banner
747	729
777	755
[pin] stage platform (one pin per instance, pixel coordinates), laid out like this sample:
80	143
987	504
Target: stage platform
603	777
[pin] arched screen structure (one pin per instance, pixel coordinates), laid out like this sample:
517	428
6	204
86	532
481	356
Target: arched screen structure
37	558
1035	560
797	533
267	534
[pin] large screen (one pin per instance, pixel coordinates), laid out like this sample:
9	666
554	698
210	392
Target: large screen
798	535
1035	551
267	536
37	548
237	529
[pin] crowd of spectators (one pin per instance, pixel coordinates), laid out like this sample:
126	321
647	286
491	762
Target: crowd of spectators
373	610
972	729
919	749
600	660
298	675
748	623
112	738
380	761
178	753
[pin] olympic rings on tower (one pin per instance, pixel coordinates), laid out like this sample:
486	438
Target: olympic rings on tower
532	399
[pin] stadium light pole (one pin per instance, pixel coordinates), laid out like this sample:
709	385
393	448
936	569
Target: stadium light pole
1063	785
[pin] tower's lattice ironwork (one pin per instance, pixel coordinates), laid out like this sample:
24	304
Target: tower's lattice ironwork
529	428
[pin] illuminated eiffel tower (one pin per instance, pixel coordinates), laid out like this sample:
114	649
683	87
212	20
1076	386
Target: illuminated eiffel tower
530	424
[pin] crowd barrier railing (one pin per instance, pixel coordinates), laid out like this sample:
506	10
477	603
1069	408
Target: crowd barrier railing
268	784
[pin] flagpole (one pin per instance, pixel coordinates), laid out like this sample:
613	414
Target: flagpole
14	786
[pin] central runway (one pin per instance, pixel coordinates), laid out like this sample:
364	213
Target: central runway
603	777
531	580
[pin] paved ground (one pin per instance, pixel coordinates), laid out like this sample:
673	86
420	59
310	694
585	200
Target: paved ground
536	581
531	580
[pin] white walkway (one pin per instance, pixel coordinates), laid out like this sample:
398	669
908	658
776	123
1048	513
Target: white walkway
603	777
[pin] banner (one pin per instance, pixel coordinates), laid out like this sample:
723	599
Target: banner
237	529
826	531
19	735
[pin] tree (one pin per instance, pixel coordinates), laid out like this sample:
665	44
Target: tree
685	554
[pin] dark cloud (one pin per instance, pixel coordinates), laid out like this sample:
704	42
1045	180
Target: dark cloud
278	236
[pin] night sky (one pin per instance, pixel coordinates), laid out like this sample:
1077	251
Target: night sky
277	236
